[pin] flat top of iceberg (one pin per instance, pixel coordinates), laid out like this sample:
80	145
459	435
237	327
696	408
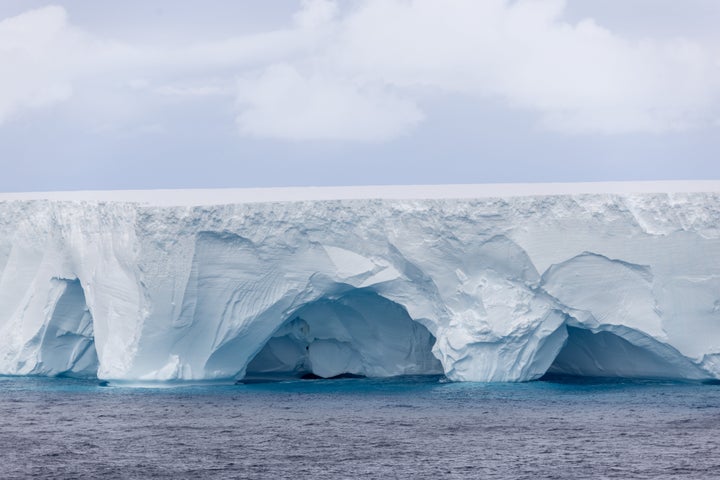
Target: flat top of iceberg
179	197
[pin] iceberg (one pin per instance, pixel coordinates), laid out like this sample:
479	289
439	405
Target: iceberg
491	283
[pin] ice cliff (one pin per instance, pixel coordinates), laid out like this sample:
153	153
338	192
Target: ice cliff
470	281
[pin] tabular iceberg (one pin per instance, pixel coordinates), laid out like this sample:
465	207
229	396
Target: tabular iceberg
469	281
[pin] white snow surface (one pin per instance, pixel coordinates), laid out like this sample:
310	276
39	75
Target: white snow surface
479	282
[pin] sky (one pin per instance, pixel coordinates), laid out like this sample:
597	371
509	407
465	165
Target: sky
147	94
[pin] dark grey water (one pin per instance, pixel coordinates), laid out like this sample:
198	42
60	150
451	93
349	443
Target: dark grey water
360	428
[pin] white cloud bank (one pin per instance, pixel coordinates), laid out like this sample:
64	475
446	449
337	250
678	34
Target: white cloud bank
282	103
32	73
361	73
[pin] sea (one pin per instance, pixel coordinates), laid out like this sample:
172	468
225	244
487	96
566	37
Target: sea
404	428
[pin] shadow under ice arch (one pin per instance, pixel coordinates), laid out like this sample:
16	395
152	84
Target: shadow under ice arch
337	329
358	333
620	352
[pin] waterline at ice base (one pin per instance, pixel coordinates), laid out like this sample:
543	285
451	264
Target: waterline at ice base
486	283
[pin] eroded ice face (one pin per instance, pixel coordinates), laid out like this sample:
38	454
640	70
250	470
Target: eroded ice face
133	291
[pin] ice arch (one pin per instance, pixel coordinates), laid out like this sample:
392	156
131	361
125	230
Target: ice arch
616	328
359	333
67	343
241	292
607	354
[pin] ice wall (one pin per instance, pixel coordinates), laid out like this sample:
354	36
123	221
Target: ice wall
483	289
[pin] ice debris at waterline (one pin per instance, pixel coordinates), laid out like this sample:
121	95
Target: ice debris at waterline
476	282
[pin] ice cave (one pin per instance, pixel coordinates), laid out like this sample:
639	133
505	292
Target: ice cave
358	334
606	354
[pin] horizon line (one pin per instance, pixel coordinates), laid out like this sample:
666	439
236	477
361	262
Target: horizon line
230	195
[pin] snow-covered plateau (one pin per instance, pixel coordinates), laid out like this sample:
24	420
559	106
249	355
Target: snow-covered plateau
479	282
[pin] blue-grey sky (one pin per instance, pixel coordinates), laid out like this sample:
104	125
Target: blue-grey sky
233	93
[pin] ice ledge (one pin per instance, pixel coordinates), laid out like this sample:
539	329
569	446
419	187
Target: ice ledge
223	196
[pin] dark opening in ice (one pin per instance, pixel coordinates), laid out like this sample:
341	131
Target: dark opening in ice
360	334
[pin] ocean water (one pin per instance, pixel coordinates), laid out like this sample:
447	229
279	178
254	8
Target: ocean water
410	427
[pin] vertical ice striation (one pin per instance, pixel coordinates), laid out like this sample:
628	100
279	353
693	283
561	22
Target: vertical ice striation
480	289
67	343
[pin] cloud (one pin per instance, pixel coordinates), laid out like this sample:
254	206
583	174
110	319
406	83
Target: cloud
30	77
283	103
361	72
578	77
45	60
192	91
316	13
